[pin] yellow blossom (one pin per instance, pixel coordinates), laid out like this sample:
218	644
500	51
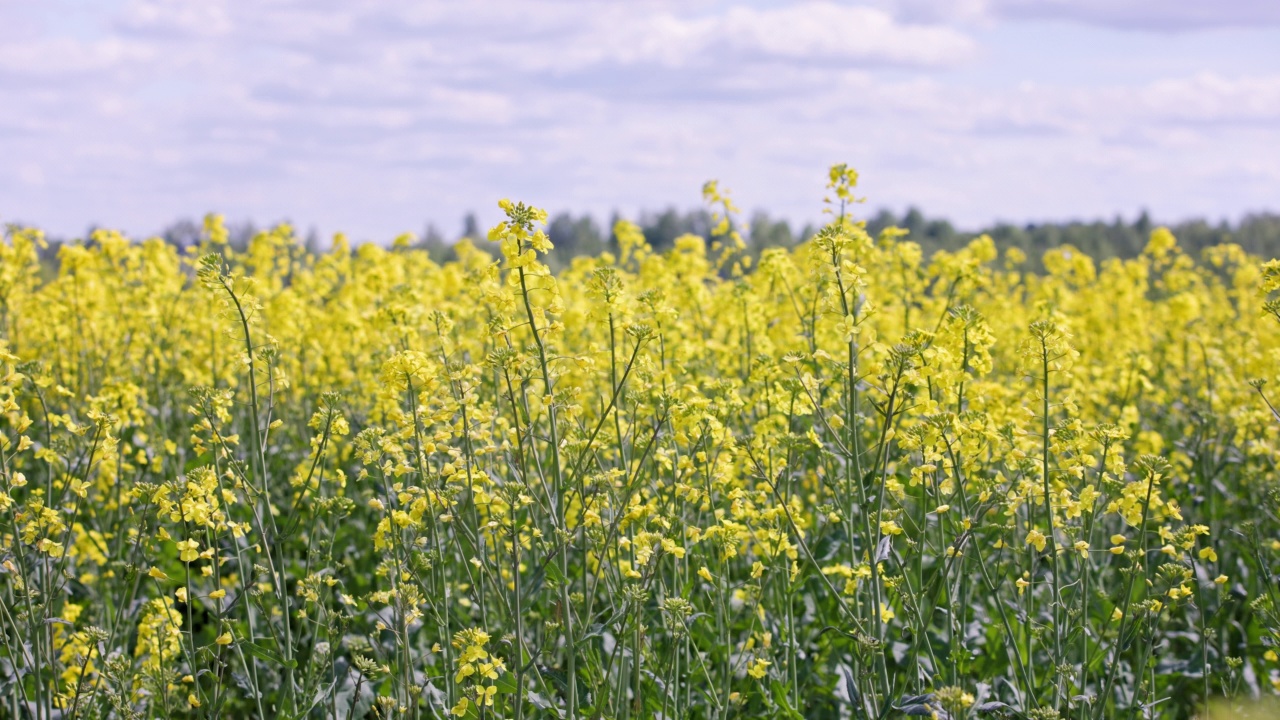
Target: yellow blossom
188	550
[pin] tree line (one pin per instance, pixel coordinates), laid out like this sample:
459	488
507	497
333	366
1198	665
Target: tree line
1257	233
574	235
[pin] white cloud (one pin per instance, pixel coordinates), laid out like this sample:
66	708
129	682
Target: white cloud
1161	15
803	32
827	31
1207	97
177	18
49	58
1147	15
375	116
1167	111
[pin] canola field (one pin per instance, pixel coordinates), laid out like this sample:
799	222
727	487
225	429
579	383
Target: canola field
841	480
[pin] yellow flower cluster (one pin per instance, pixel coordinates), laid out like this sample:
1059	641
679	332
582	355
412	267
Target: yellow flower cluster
844	478
477	670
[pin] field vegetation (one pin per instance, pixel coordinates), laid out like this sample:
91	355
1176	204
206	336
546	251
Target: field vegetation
842	478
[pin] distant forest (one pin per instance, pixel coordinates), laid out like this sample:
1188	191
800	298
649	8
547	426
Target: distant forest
572	235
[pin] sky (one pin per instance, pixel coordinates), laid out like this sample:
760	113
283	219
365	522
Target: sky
374	117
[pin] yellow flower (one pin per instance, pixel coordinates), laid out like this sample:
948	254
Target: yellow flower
757	569
53	549
669	546
1160	243
886	613
1037	539
157	573
1116	615
473	653
1088	496
188	550
704	573
1208	554
1083	548
223	639
758	668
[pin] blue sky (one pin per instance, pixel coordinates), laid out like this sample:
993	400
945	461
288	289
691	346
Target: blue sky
374	117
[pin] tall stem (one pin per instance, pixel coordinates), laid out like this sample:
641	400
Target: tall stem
1048	507
558	507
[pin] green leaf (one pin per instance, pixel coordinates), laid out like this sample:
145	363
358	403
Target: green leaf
265	653
780	697
506	683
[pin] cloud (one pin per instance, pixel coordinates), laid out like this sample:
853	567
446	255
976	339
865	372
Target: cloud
176	19
375	116
1159	15
37	62
1210	98
1142	15
1166	111
822	32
